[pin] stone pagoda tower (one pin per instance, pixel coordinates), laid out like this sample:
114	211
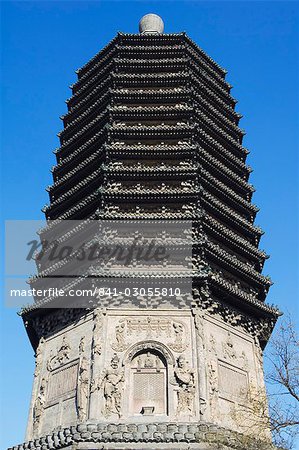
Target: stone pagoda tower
151	133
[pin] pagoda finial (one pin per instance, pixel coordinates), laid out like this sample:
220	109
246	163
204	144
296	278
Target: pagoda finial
151	24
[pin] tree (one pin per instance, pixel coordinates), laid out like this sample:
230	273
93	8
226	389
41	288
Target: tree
282	378
275	409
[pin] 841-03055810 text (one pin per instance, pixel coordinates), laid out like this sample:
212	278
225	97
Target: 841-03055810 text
139	291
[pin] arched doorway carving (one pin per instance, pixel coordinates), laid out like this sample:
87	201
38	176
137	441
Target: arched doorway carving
148	383
150	345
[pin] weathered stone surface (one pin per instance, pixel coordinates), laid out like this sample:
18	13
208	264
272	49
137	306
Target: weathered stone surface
112	386
211	436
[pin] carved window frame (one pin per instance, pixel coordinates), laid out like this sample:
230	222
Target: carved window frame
232	397
65	395
165	355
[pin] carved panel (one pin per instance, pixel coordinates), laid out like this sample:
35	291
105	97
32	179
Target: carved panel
62	381
173	332
233	382
153	326
149	390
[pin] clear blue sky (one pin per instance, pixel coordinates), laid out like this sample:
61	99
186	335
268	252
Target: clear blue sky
44	42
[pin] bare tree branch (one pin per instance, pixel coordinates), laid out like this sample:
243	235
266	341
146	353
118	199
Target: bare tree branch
282	377
276	410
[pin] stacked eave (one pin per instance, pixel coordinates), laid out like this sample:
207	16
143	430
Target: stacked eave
151	132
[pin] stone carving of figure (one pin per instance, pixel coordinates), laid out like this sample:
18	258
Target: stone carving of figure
139	362
178	330
64	351
228	348
198	321
112	381
120	343
98	317
185	378
96	349
178	344
120	329
39	404
39	356
82	389
82	345
259	353
212	348
149	361
213	391
63	354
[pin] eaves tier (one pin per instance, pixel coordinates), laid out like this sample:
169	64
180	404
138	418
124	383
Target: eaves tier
151	132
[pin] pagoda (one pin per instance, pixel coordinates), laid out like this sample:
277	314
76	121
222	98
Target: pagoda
151	134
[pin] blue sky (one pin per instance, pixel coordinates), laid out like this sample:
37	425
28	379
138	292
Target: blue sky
44	42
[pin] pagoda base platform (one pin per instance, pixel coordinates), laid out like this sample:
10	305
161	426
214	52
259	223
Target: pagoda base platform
149	436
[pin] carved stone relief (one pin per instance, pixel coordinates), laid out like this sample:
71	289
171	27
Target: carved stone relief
111	381
62	381
212	345
199	327
82	345
150	327
259	354
39	405
49	360
257	328
179	330
62	355
120	345
39	357
98	318
201	358
213	388
148	345
185	378
244	361
233	382
228	348
82	389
